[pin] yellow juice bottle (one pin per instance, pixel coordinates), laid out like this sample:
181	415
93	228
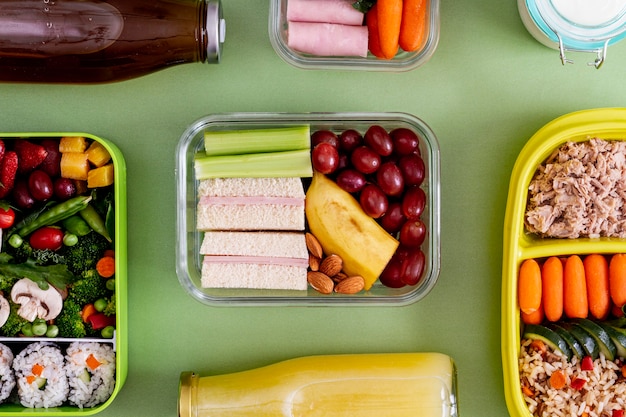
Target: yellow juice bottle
354	385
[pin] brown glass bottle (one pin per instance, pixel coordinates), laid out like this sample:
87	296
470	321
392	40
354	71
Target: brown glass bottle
94	41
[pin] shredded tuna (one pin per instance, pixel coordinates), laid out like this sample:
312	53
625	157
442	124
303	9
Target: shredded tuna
580	191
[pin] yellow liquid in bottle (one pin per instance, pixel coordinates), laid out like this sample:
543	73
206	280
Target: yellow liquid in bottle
360	385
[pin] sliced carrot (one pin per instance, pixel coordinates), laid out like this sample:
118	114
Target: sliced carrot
575	303
552	288
373	41
539	346
88	310
389	21
106	266
37	369
617	279
529	286
557	379
597	278
413	27
92	362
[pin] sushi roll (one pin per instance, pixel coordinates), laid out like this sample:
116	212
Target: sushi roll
40	376
7	379
90	370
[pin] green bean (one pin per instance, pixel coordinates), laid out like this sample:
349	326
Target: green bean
76	225
56	213
95	221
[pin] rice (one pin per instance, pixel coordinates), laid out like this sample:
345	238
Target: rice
7	378
91	373
40	376
603	391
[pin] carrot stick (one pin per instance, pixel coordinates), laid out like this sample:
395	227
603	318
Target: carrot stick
552	288
597	277
413	27
575	301
529	286
373	41
389	20
92	362
617	279
37	369
557	379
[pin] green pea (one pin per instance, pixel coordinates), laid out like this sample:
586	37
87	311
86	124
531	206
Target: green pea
70	239
40	327
100	304
110	284
107	332
27	329
15	240
53	331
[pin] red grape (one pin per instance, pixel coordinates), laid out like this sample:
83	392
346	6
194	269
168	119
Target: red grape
40	185
389	179
325	158
405	141
412	168
349	140
393	219
52	164
350	180
21	195
412	233
64	188
373	201
377	138
413	202
324	136
365	160
392	274
413	267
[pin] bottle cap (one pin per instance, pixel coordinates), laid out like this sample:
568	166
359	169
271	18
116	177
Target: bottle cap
215	30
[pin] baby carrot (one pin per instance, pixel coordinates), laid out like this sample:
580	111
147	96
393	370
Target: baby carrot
389	20
575	301
373	41
529	286
413	27
617	279
597	277
536	317
552	288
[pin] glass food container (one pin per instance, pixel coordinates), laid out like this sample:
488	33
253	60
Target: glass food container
189	239
575	26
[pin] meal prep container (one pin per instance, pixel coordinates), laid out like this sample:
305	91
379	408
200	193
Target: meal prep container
119	341
403	61
518	245
577	26
188	264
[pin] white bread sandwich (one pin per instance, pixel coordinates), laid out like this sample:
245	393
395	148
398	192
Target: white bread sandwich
259	260
250	204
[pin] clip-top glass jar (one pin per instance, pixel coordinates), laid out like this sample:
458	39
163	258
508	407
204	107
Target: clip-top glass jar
575	25
96	41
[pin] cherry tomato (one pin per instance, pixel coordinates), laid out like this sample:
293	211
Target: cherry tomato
7	217
47	237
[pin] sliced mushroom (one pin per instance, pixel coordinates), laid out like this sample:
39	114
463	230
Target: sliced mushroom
35	302
5	310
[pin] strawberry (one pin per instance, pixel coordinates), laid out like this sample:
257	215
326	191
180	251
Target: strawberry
30	155
8	169
2	149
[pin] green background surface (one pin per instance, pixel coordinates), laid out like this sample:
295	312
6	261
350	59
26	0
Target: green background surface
488	87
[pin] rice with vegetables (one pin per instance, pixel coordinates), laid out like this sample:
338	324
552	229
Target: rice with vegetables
600	392
91	373
7	379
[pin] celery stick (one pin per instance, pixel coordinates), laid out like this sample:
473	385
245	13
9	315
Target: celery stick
258	165
237	142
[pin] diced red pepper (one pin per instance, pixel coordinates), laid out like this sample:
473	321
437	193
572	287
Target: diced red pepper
587	364
578	383
100	321
617	413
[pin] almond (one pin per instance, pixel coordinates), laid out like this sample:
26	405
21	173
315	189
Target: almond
320	282
350	285
313	245
331	265
314	262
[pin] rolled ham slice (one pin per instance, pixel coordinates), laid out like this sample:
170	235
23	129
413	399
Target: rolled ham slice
324	11
328	39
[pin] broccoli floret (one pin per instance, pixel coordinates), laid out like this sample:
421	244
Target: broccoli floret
109	309
84	255
20	254
6	282
88	288
13	326
70	321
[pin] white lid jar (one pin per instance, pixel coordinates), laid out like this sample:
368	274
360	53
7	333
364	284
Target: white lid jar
575	25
